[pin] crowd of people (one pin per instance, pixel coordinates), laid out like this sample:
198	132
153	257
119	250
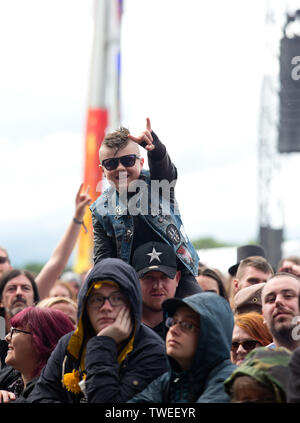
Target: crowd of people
148	322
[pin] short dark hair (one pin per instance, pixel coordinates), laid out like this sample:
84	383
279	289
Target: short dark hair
117	139
258	262
282	274
11	274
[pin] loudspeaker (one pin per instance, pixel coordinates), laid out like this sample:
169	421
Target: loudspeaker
289	95
271	240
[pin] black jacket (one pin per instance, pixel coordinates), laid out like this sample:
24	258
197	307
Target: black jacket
3	353
106	380
9	377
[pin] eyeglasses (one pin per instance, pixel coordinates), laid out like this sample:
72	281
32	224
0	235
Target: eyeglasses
184	326
247	345
115	300
15	330
3	259
127	161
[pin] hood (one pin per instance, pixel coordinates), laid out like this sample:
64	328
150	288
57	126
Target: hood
216	326
117	271
124	275
268	366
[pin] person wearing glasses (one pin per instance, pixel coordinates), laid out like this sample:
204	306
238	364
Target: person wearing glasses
20	289
249	332
32	337
198	350
111	356
5	265
140	206
263	377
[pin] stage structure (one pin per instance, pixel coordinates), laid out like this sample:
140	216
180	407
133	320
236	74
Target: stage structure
269	165
103	109
289	117
279	127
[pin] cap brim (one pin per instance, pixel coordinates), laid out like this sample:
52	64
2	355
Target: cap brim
233	269
171	305
169	271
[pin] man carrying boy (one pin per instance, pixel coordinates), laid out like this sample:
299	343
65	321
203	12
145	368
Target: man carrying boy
140	205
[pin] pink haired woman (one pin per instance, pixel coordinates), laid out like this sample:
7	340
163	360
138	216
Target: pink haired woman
33	336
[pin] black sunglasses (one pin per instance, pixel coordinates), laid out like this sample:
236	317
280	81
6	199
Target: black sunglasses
127	161
3	259
247	345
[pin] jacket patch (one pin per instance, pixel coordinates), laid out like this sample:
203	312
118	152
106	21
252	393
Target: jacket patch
185	255
173	234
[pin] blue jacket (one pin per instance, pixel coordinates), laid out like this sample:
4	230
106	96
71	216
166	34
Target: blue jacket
110	374
204	381
114	225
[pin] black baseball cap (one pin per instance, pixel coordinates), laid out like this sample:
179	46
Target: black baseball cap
155	256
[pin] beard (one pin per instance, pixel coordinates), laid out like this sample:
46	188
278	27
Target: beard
283	332
17	306
154	307
15	310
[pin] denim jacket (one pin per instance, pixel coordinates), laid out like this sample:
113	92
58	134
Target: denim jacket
116	221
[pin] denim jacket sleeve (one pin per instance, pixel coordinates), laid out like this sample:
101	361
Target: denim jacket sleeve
160	164
103	246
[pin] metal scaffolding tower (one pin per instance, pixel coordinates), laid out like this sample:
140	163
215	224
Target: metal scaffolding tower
270	202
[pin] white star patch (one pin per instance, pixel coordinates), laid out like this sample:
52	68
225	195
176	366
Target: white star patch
154	255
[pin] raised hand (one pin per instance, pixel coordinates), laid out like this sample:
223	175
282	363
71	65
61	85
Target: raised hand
6	396
121	328
81	201
145	136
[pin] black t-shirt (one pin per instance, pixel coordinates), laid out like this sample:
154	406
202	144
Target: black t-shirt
160	329
3	352
142	233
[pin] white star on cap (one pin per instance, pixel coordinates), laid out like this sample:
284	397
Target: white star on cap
154	255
